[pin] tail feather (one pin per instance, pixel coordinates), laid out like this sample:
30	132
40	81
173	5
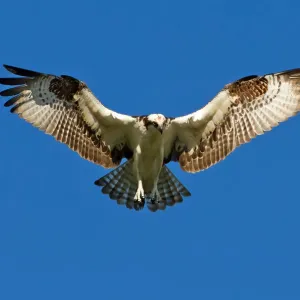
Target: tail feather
170	189
110	180
179	186
121	186
116	185
125	188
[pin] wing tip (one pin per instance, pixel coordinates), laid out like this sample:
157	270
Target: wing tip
8	103
21	71
9	68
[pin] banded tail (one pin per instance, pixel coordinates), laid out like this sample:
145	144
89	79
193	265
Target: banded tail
121	185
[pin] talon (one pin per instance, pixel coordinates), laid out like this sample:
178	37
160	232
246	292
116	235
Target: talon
139	204
155	197
153	201
139	195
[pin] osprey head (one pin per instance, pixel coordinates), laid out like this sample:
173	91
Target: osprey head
155	122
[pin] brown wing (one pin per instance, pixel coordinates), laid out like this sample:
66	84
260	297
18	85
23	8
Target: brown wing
240	112
62	107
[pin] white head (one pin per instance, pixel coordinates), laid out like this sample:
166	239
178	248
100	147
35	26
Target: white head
155	121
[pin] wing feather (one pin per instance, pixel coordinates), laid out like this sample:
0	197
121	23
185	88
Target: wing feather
66	109
241	111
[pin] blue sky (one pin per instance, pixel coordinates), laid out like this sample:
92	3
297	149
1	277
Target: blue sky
237	237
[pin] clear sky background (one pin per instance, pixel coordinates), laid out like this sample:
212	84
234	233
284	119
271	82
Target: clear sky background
237	237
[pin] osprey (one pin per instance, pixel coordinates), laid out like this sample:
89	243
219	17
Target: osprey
65	108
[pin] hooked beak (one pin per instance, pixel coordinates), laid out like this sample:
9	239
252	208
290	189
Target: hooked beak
158	127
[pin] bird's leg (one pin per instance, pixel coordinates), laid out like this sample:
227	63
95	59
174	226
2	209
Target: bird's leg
139	195
155	196
139	198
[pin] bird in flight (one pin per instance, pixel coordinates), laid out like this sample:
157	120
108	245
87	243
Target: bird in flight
64	107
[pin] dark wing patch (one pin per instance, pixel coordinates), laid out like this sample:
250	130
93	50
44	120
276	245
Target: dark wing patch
248	90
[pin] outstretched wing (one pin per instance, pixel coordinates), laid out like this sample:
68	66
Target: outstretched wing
65	108
240	112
